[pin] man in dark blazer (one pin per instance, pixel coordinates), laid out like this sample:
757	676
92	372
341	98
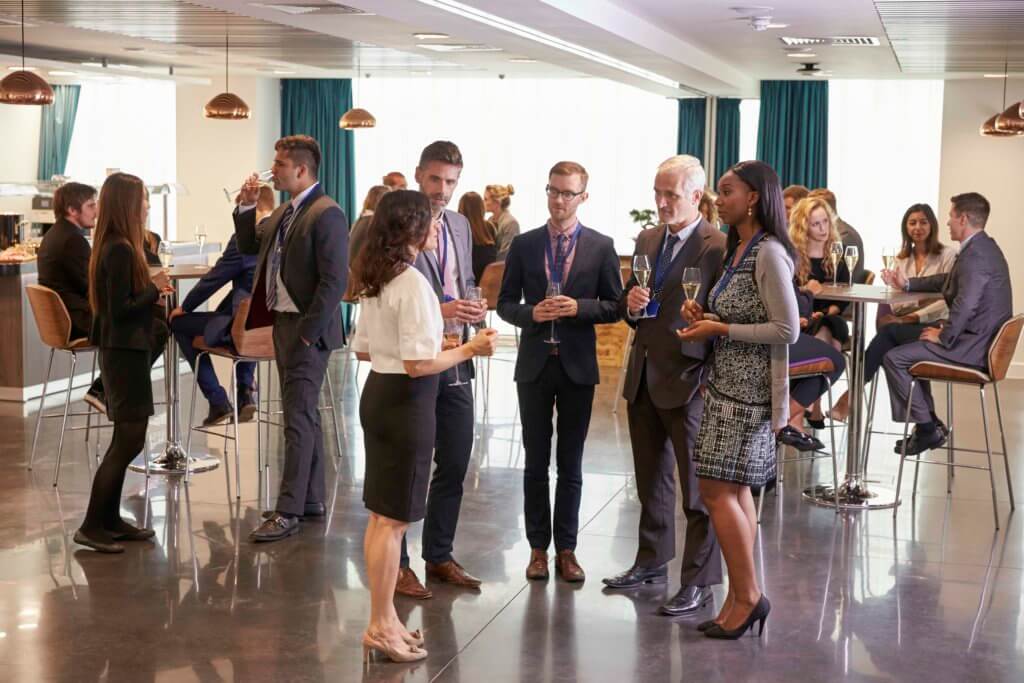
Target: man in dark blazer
978	293
558	375
215	327
450	271
300	276
662	389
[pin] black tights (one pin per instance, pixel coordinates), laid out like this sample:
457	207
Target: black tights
104	513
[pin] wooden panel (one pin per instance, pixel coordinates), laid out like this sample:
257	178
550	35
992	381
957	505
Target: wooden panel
611	344
10	330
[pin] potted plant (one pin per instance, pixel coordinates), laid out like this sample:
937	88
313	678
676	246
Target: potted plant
643	217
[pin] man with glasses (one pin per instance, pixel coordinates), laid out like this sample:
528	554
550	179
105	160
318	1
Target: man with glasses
557	363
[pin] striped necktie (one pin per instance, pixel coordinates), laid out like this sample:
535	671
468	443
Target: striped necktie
274	263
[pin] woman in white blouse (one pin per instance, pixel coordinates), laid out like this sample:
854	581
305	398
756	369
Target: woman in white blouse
922	255
400	333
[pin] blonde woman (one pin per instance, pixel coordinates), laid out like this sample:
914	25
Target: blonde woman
813	230
497	199
708	209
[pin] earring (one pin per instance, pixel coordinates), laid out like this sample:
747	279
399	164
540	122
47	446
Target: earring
750	211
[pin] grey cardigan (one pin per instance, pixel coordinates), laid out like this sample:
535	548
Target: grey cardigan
773	274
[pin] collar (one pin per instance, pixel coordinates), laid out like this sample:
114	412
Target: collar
963	245
552	233
685	231
301	197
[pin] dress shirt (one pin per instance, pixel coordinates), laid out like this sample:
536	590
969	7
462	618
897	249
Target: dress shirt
450	280
933	265
553	236
683	234
284	302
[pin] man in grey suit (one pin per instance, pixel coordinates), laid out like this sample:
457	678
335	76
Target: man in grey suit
663	379
450	271
978	293
300	278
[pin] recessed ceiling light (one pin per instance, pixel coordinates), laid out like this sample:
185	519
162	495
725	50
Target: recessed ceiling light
19	68
449	47
801	54
63	73
523	60
778	25
430	36
996	76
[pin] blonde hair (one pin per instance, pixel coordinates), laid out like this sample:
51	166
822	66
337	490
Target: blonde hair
799	221
502	193
707	207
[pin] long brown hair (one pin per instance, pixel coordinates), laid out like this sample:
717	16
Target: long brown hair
471	205
119	219
934	246
401	220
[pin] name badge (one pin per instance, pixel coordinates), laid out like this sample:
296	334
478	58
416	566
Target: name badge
448	298
653	307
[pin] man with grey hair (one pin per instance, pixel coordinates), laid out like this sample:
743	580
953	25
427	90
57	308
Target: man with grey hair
662	389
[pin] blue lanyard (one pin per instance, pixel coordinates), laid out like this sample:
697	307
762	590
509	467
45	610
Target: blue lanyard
443	260
730	270
659	275
557	266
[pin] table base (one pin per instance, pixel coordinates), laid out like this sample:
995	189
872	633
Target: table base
853	496
172	462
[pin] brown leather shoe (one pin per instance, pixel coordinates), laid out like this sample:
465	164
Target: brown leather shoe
453	573
538	567
568	568
409	585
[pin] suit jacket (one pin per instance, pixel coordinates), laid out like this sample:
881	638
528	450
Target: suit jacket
125	318
235	267
980	299
594	280
63	263
674	369
314	265
462	240
357	237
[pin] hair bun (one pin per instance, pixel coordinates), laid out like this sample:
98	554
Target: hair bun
511	190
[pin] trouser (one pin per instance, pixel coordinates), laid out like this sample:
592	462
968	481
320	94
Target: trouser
186	328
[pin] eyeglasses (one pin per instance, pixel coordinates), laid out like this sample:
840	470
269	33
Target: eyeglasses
568	196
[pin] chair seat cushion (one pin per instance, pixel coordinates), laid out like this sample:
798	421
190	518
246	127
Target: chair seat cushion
947	372
225	351
811	367
82	344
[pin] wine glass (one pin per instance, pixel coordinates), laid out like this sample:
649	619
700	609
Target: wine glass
263	177
453	337
476	296
200	232
691	283
851	256
642	273
835	254
888	260
166	254
554	290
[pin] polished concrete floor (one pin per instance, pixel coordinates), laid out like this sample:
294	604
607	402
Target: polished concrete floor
935	595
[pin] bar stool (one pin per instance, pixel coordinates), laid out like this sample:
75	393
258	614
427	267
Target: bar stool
352	300
814	367
490	287
1000	353
54	325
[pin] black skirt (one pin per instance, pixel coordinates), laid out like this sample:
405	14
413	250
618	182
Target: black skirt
398	418
126	384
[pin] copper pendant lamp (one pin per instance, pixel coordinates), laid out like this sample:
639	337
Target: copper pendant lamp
24	87
356	118
227	106
1009	123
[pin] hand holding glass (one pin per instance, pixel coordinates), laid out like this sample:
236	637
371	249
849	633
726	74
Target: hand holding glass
691	283
554	290
263	178
642	273
888	261
452	339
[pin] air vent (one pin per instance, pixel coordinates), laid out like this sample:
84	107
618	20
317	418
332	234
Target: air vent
837	41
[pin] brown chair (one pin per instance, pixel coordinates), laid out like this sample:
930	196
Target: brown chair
490	287
54	325
1000	353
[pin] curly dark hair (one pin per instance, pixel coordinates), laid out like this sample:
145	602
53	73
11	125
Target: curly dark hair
401	220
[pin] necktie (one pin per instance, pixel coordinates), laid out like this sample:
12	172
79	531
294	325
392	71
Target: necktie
670	246
274	262
560	257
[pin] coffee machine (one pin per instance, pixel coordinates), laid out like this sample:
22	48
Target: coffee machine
10	229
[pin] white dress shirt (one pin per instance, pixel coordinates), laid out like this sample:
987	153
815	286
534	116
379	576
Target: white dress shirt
934	264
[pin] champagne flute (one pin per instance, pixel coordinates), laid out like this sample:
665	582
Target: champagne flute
476	295
554	290
691	283
888	261
851	256
835	254
453	338
642	272
200	232
166	254
263	177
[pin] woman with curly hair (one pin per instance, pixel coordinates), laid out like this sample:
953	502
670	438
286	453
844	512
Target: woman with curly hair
812	228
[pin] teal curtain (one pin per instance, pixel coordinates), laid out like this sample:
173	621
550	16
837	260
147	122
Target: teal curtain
692	112
727	137
792	136
312	107
56	126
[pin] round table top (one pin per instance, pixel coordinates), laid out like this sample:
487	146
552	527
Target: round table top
184	271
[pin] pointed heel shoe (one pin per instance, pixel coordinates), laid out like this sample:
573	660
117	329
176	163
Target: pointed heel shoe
406	653
759	615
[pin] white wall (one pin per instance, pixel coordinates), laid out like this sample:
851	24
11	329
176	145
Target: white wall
212	155
21	151
991	166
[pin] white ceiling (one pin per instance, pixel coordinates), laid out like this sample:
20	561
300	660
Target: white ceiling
704	45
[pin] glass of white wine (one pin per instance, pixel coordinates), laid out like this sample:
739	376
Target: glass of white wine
166	254
263	178
851	255
200	232
554	290
452	339
889	260
642	273
691	283
835	254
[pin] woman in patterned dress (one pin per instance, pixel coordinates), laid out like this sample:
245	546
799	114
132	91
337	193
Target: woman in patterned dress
752	318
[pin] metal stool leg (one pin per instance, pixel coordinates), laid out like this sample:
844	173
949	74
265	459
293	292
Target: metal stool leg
88	410
39	414
832	439
988	453
1002	437
192	406
334	411
950	471
234	430
903	454
871	421
64	421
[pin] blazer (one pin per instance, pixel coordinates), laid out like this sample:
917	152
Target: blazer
980	299
125	318
235	267
674	370
594	280
63	264
314	265
357	237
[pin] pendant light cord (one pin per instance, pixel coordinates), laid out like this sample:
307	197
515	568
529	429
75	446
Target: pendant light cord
22	35
227	86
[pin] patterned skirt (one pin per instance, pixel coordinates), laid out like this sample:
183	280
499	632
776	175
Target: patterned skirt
735	442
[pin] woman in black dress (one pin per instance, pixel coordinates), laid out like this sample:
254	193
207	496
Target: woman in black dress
122	295
400	333
812	227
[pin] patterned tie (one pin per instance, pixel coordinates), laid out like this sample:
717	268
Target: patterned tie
560	257
670	247
274	262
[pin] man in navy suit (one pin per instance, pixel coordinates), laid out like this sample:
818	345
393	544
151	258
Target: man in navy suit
557	362
215	327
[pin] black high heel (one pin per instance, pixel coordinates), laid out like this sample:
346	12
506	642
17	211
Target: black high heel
758	614
705	625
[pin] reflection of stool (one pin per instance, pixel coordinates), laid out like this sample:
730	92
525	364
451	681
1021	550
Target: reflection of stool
1000	353
352	301
815	367
54	324
490	287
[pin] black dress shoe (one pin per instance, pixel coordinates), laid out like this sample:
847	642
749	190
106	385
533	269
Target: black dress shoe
97	545
798	440
218	415
246	406
637	576
311	510
919	443
689	599
941	427
274	528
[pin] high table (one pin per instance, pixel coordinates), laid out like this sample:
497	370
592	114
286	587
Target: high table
174	458
854	493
